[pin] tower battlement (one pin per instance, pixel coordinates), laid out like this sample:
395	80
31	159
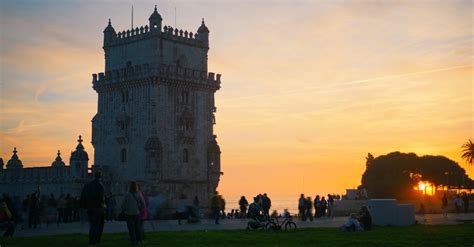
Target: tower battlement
144	71
144	32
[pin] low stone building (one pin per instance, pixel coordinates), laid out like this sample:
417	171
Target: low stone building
56	179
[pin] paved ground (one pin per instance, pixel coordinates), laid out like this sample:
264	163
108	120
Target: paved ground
228	224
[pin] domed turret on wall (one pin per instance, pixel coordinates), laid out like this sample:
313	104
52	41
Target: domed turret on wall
14	162
58	162
79	160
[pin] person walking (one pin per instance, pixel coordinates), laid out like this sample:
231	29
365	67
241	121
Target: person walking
93	200
132	205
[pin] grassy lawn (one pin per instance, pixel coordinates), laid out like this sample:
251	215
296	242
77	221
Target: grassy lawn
456	235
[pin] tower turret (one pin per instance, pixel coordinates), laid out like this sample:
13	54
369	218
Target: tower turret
79	160
155	21
109	34
203	33
14	162
59	161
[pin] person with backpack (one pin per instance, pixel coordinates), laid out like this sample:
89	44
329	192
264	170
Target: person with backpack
133	203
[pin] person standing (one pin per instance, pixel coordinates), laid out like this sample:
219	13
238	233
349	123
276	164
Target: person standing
144	212
34	209
308	208
93	200
444	205
458	203
266	204
324	206
243	204
301	204
216	206
182	208
465	200
330	205
132	205
317	207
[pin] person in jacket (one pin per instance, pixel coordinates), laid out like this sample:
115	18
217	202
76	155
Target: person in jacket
132	205
93	200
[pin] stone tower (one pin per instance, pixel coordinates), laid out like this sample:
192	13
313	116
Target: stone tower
155	117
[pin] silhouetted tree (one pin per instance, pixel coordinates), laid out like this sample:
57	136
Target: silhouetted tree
468	151
394	175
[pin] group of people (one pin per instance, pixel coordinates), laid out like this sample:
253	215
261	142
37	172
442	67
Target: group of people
260	201
188	211
133	210
460	202
322	207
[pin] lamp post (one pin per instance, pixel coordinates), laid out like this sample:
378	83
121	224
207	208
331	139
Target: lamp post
447	180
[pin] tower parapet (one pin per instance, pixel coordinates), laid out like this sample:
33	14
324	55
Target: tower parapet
145	32
145	71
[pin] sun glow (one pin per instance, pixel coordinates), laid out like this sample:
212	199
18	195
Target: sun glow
426	188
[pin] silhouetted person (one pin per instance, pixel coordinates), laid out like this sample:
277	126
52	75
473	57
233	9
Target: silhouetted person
93	200
465	200
458	203
7	220
216	206
301	204
34	209
183	204
444	205
266	204
243	204
254	209
144	211
324	206
365	218
132	204
317	207
308	208
330	205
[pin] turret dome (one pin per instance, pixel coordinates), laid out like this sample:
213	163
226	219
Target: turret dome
203	28
14	162
59	161
155	15
79	153
109	28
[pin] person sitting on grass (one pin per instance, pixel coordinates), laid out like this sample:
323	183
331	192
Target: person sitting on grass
352	224
365	218
6	220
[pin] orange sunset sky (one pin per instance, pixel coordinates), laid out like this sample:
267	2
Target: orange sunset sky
308	87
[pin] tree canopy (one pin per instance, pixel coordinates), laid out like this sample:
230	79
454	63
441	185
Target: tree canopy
395	174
